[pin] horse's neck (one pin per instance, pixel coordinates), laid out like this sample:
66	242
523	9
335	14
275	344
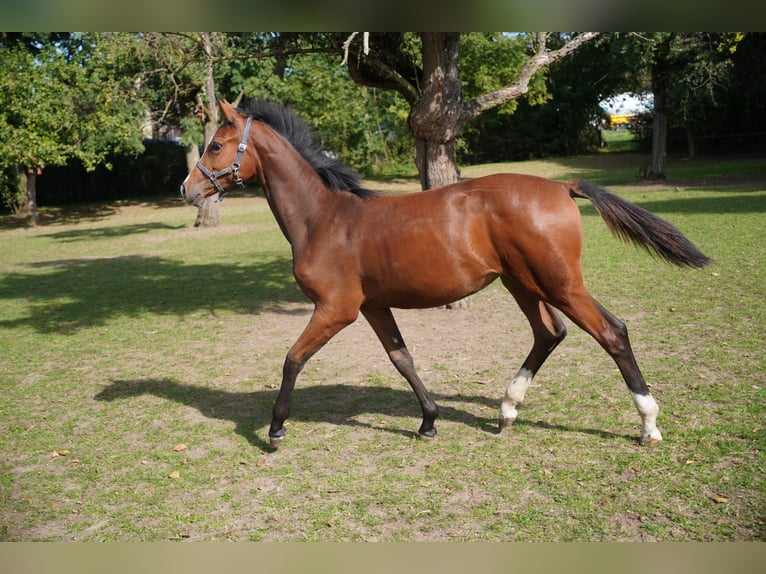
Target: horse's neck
294	191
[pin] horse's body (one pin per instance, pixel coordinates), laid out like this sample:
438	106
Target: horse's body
432	248
358	251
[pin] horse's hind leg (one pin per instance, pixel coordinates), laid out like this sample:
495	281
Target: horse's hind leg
383	323
548	330
612	335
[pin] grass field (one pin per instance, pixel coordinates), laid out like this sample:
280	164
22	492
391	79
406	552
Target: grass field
139	358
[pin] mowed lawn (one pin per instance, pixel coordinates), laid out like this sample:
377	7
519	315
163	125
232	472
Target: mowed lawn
139	358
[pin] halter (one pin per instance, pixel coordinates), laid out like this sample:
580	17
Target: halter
233	169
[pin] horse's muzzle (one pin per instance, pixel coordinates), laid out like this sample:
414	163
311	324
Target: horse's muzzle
195	200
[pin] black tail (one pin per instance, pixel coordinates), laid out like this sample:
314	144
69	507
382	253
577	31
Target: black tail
640	227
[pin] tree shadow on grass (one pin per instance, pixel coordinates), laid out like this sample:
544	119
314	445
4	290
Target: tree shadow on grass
336	403
88	234
63	296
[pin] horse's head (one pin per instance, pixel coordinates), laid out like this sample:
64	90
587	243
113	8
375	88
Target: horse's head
227	161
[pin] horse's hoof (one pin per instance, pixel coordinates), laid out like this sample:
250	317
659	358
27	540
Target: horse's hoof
427	435
649	441
275	441
504	422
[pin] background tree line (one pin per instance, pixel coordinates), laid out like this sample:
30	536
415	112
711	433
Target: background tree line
84	115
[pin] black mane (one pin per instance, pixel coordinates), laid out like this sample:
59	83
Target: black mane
284	121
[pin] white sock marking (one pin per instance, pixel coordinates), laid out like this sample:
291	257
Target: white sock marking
514	394
648	409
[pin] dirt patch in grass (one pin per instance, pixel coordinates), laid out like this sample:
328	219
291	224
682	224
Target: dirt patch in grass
466	351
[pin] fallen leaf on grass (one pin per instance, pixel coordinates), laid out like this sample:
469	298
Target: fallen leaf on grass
718	499
725	521
61	452
180	447
174	474
484	381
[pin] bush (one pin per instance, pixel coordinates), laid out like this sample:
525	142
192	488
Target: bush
157	171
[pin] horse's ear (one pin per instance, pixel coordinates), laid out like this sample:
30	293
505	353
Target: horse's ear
229	111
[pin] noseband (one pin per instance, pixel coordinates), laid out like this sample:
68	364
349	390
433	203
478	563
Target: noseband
233	169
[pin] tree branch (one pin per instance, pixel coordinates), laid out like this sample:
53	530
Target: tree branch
347	45
388	67
542	57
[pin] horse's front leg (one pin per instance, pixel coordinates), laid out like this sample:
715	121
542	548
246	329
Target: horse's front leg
322	326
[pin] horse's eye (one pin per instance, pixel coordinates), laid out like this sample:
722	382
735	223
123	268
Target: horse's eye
215	146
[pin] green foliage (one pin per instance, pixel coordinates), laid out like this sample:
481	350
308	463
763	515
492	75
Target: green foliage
156	172
11	193
714	103
364	127
61	100
87	96
490	61
559	116
58	104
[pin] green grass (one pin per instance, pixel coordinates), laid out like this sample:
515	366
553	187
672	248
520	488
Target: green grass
619	140
124	333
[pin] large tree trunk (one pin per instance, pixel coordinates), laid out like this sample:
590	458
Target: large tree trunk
208	214
192	156
434	117
659	138
660	85
436	163
28	178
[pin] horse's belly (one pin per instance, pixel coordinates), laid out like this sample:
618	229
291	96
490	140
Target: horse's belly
425	286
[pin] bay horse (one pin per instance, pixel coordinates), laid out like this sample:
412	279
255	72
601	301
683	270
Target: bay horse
356	250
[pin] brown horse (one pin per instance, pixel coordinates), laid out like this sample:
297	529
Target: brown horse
356	250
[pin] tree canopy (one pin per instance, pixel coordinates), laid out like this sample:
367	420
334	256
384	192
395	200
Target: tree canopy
85	97
62	97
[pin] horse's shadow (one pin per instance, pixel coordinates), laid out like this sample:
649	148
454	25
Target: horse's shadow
336	403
